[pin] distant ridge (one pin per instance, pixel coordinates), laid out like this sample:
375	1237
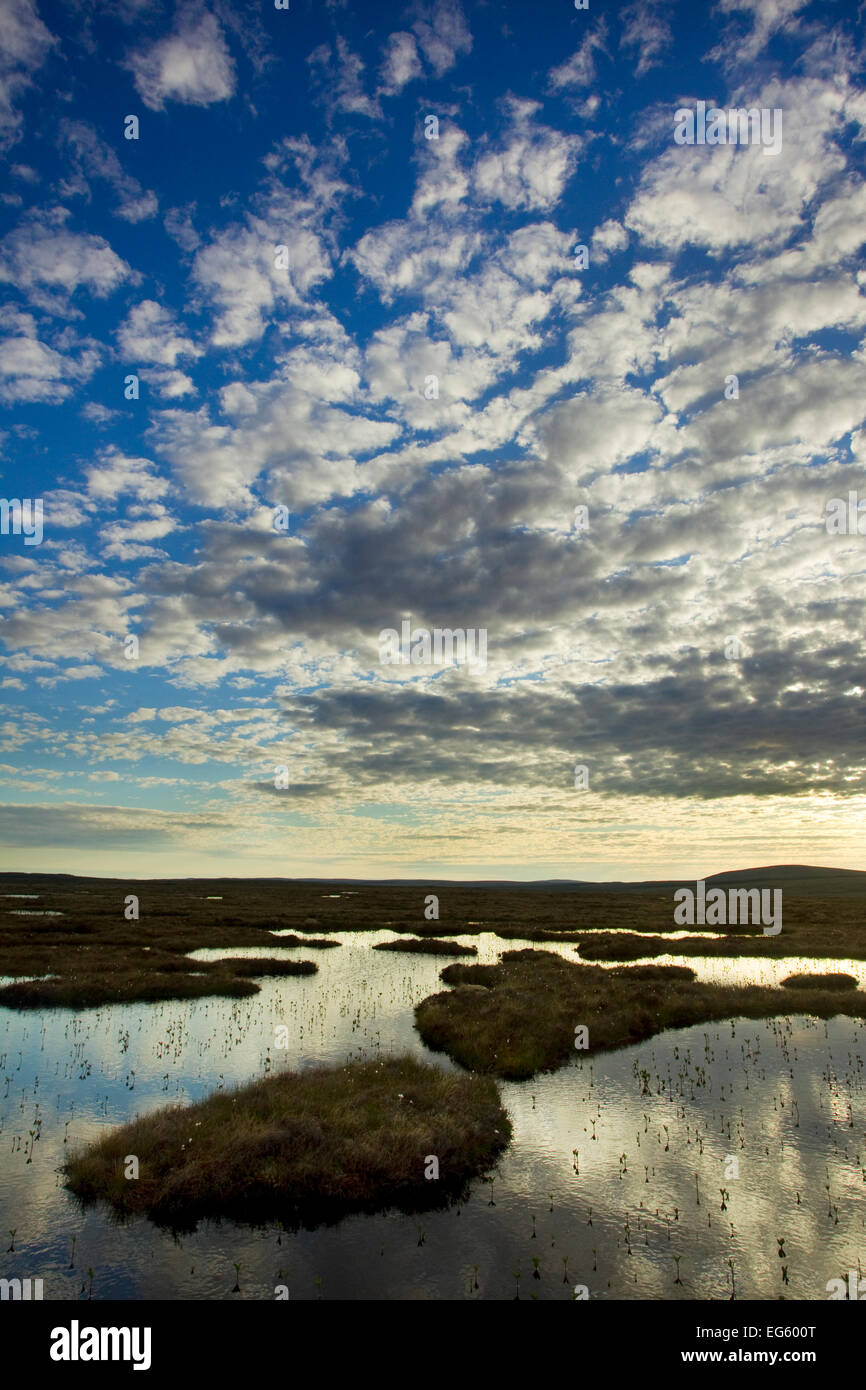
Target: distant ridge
805	879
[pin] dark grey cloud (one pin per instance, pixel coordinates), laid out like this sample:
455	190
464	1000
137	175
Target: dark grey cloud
712	728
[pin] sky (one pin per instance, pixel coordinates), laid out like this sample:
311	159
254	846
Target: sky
322	319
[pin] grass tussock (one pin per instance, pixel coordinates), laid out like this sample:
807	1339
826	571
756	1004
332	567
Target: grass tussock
427	946
120	984
519	1017
656	972
322	942
830	980
538	934
103	976
303	1147
609	947
248	968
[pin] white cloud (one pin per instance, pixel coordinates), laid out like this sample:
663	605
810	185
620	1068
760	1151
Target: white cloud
178	223
768	17
611	236
593	433
702	344
24	44
66	509
401	63
401	257
341	79
735	195
171	385
813	403
93	158
579	70
98	413
32	370
116	474
305	428
646	31
37	254
443	183
191	65
238	272
840	223
150	334
130	540
530	165
443	34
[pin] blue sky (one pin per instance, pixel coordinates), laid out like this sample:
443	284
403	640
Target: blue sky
696	643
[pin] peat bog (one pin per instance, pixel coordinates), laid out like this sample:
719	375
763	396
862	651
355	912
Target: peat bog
157	1037
92	953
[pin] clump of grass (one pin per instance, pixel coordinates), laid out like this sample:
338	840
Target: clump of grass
538	934
322	942
655	972
605	946
522	1021
246	966
830	980
146	976
427	946
120	984
468	975
307	1147
426	929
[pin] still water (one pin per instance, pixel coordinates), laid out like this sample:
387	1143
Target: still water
655	1127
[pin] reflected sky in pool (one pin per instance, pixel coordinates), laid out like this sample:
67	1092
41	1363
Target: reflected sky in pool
656	1127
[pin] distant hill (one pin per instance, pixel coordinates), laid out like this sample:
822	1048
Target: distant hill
796	879
803	879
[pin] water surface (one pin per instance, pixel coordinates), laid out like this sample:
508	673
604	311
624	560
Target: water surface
655	1127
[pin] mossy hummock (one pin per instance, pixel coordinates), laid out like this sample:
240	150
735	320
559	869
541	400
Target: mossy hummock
519	1017
303	1147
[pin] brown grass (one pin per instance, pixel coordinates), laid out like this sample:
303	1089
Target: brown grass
122	983
248	968
830	980
303	1147
523	1020
427	946
610	947
96	956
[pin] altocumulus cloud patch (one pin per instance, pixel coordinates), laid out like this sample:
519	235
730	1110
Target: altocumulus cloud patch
322	321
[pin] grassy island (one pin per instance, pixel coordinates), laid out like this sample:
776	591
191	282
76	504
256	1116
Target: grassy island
831	980
519	1017
427	946
303	1147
